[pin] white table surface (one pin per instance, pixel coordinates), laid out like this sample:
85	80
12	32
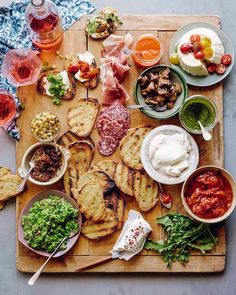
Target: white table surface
13	282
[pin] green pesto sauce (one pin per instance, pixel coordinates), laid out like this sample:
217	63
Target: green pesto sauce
198	110
48	222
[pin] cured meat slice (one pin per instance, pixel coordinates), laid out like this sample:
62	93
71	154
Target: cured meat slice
112	91
116	111
114	66
107	145
112	128
113	124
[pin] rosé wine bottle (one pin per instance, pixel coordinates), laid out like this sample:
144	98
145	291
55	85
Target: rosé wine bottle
44	23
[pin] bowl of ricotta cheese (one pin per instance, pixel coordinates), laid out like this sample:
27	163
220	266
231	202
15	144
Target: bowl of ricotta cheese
169	154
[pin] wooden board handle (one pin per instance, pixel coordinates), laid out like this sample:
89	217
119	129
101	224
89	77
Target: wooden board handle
94	263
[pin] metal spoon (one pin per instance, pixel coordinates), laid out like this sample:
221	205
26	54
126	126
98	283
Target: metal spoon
205	134
32	165
34	278
166	205
145	106
131	51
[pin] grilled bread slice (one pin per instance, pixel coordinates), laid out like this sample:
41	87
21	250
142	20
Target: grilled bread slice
130	146
70	93
120	211
145	190
79	163
9	184
116	202
108	166
3	171
91	202
121	178
96	176
82	116
95	230
67	138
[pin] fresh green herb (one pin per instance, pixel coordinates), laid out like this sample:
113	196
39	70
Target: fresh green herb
46	67
95	22
92	26
48	222
183	235
112	17
56	88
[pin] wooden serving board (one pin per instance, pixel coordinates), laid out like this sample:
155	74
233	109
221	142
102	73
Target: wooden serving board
85	251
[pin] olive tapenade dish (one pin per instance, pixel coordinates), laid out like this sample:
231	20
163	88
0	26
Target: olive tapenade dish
159	89
47	160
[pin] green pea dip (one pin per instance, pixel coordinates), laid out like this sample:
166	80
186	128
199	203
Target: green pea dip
198	109
48	222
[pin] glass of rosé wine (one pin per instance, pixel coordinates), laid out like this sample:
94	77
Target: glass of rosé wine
21	66
8	109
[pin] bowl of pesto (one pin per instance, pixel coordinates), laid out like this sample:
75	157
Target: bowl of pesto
198	108
46	219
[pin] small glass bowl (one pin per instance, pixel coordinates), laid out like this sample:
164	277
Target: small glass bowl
143	62
49	138
198	98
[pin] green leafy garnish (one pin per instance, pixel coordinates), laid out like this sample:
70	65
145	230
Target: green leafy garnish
112	17
183	235
56	88
95	22
92	26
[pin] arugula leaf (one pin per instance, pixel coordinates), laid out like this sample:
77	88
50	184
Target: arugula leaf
56	88
182	235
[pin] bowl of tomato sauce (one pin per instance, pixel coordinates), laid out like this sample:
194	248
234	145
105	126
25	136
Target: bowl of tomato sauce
209	194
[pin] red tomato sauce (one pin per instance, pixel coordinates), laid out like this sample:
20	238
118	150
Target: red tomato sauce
209	195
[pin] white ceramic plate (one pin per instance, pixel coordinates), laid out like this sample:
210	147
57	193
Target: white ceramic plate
210	79
155	174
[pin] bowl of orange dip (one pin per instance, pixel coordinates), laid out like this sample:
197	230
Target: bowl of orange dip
148	50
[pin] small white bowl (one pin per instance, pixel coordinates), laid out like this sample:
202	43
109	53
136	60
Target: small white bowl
157	175
231	180
23	169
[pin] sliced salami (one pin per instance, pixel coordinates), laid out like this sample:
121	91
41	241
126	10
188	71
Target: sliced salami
112	128
112	124
107	145
116	111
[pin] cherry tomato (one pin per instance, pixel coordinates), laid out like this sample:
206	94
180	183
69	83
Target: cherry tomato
226	59
195	38
84	66
166	199
220	69
196	47
208	51
199	55
174	59
211	68
73	69
185	48
205	42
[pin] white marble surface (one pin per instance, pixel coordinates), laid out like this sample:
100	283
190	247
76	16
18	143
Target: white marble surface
13	282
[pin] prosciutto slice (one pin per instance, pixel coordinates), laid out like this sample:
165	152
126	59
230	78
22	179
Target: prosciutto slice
112	91
114	66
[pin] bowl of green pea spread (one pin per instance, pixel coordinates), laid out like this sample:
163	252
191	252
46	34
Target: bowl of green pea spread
198	108
46	219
